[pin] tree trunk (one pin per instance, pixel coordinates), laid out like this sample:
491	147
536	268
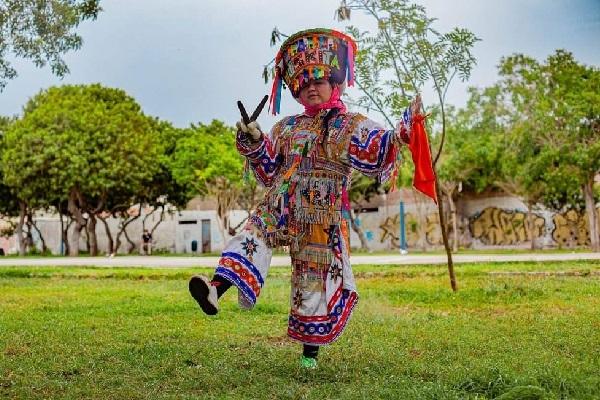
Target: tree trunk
29	244
34	226
62	229
132	245
452	205
590	208
109	237
445	235
361	235
160	219
222	222
122	230
146	217
20	237
530	225
66	237
80	223
91	226
87	237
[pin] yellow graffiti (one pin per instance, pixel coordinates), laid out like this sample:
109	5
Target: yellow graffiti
494	226
433	233
389	229
412	229
571	229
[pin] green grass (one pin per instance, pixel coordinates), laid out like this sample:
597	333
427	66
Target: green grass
136	334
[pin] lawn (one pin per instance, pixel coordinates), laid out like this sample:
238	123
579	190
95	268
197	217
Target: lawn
136	334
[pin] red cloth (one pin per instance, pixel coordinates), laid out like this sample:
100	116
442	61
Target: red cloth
424	178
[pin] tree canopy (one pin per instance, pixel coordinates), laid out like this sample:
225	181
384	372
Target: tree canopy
41	31
81	143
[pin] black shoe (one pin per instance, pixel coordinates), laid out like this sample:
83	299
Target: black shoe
205	294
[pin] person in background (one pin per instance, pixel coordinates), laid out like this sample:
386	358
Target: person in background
146	243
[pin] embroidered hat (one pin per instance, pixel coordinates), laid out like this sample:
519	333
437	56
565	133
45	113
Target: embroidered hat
312	54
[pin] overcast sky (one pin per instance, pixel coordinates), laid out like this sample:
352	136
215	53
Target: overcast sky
190	60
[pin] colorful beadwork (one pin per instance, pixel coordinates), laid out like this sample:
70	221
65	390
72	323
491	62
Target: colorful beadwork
312	54
307	208
306	167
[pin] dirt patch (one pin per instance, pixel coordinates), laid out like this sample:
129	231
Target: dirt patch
279	341
11	351
547	273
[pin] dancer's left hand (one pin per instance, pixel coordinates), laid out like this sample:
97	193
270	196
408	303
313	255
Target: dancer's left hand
416	106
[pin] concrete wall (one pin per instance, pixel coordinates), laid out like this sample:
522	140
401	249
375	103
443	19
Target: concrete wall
487	222
483	223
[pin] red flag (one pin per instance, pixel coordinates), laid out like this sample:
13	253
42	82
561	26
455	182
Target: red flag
424	178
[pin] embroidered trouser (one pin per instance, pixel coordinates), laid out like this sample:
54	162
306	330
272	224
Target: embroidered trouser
323	292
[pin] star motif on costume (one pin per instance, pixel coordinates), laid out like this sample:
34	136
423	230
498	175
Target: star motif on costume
335	272
250	247
298	299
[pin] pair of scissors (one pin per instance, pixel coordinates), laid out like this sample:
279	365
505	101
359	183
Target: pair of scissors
256	112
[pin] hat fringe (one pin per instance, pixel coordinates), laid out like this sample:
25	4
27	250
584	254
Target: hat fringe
275	103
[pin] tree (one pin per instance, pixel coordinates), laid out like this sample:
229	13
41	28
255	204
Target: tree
207	163
395	62
9	203
79	144
41	31
473	149
557	109
19	201
251	193
163	192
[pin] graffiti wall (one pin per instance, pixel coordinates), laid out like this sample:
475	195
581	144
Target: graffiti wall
571	229
489	222
481	223
499	227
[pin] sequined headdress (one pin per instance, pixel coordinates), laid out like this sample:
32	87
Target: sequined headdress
312	54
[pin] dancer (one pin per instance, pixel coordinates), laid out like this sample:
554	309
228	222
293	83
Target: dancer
306	162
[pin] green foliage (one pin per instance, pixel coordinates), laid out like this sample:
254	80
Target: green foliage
475	142
87	138
555	124
163	187
41	31
9	204
406	52
76	332
206	154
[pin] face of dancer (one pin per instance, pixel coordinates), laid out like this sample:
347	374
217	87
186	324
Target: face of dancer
315	92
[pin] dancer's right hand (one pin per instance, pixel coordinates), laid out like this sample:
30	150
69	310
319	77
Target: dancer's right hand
252	129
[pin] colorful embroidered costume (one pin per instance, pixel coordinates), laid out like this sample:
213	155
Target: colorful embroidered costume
306	165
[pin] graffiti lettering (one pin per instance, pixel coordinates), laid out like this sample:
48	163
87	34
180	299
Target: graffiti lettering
571	229
389	230
495	226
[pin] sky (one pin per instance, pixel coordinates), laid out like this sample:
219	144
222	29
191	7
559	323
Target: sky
189	61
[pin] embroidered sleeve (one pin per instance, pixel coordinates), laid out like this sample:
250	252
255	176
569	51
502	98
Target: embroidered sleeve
261	155
375	151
